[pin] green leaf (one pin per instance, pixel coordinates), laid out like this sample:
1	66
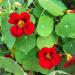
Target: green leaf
45	26
20	56
6	5
48	41
31	63
37	11
20	1
0	21
55	7
25	43
32	18
1	40
36	2
29	2
8	39
11	66
70	69
69	47
66	27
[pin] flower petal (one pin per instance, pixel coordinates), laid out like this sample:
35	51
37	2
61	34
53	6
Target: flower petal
42	52
13	18
68	64
44	62
24	16
29	28
15	31
57	59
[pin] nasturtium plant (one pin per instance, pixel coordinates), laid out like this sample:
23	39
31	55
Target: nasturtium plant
70	69
37	37
48	41
11	66
54	7
69	47
45	26
26	44
37	11
66	28
5	31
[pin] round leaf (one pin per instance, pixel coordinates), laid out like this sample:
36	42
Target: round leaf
66	27
55	7
45	26
46	41
10	66
20	56
69	47
37	11
25	44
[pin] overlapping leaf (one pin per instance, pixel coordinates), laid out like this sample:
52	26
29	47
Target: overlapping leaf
11	66
54	7
45	26
66	27
69	47
8	39
31	63
48	41
25	43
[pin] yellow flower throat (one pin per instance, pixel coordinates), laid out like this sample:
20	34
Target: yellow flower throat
21	24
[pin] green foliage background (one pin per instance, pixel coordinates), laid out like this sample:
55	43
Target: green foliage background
49	30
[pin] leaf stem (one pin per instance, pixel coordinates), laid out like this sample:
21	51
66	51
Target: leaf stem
42	12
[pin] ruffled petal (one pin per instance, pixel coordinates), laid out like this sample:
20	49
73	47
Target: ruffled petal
11	21
24	16
15	31
46	64
29	28
43	52
57	59
70	62
13	18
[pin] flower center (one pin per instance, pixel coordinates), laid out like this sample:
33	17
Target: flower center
1	1
48	56
21	24
69	57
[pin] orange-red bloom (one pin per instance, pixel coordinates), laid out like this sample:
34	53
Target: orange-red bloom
70	62
70	11
22	24
48	57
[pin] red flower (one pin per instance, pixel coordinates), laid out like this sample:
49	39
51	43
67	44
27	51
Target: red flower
70	62
8	56
22	24
70	11
48	57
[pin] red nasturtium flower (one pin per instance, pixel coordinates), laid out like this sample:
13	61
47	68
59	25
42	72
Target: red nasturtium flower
22	24
48	57
69	62
70	11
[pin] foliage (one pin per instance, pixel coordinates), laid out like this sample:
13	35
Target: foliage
54	26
